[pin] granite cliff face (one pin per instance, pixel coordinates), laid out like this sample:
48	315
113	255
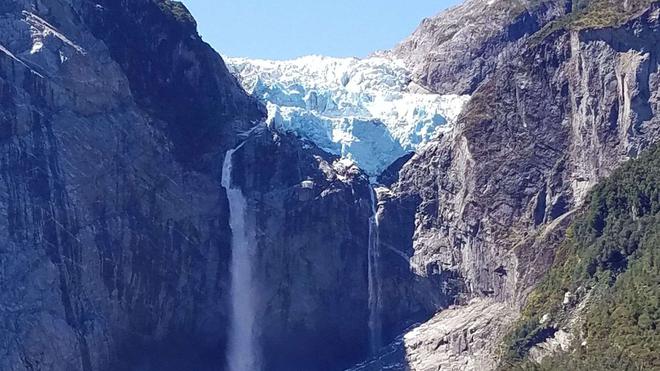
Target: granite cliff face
456	50
494	197
310	214
535	137
115	118
107	222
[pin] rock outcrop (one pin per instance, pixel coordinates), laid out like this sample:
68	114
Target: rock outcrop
456	50
492	199
114	230
310	214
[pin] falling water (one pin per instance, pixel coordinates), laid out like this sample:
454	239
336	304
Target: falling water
242	352
374	283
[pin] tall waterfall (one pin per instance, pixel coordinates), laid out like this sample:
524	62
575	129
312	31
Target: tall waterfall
375	336
242	354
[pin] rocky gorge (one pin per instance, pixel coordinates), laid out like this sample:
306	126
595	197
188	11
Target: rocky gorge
131	158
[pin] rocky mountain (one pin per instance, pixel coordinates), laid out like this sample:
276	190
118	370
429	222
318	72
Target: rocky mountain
597	307
115	233
109	215
407	211
565	104
456	50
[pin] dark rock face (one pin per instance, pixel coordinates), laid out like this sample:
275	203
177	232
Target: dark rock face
167	65
114	241
114	235
407	297
312	229
110	240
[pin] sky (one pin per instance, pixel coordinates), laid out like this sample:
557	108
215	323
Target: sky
285	29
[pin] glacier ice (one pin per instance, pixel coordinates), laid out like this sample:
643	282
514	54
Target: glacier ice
364	110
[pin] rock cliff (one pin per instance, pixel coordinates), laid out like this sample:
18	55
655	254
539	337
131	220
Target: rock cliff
109	216
456	50
114	120
492	200
310	214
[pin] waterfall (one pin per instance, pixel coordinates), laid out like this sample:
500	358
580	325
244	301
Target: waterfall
242	353
375	336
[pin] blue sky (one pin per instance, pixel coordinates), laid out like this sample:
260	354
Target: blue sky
283	29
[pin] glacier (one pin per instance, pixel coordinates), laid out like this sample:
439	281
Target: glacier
365	110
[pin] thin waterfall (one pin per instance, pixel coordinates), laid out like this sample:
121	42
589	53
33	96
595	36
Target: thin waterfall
375	336
242	353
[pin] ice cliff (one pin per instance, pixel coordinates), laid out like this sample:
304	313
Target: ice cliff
365	110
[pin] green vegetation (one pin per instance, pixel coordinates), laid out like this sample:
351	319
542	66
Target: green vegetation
593	14
612	252
177	10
